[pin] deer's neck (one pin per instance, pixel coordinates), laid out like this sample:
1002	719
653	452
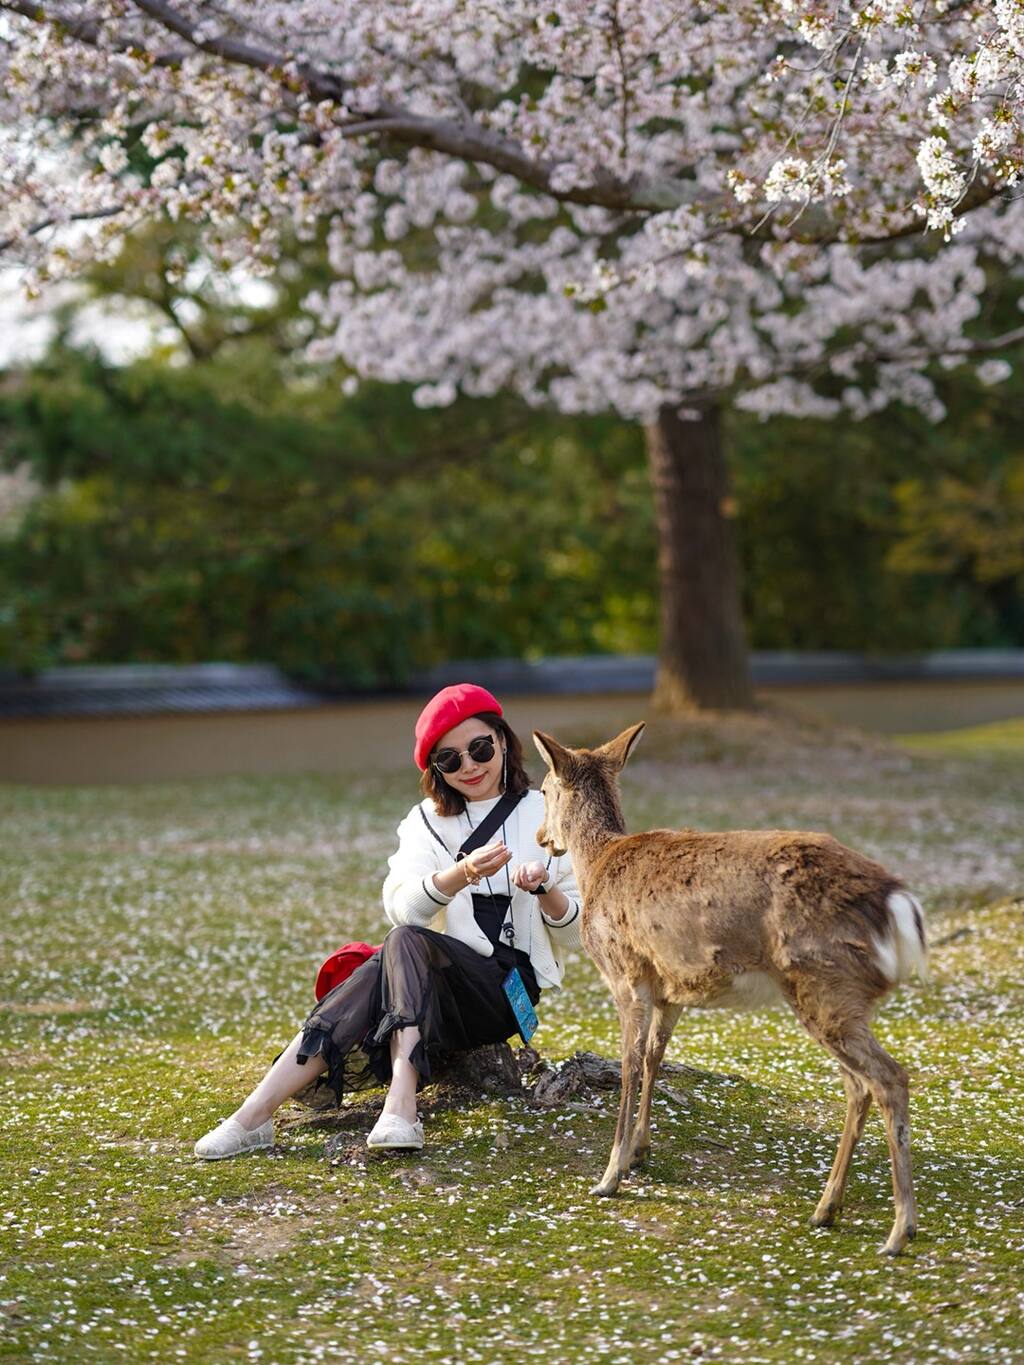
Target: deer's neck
593	821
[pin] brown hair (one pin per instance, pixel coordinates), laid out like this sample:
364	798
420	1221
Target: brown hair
447	801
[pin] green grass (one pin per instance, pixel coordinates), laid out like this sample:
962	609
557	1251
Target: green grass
1001	737
159	944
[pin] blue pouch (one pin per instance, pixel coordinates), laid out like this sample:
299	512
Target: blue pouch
515	991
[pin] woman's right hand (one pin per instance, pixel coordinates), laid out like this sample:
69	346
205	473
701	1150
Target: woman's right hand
483	862
489	859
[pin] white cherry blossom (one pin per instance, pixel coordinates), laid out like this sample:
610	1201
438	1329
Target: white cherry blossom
617	204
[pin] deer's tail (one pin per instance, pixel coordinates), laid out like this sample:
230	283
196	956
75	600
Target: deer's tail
903	951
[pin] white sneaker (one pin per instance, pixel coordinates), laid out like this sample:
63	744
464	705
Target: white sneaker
395	1134
231	1139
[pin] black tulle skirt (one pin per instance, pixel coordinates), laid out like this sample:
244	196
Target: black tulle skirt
450	992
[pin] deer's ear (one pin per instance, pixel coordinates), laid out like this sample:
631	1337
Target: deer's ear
555	755
618	750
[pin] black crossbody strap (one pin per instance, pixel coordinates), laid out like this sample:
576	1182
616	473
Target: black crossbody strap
476	838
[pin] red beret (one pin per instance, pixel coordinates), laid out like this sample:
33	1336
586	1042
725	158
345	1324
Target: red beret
443	712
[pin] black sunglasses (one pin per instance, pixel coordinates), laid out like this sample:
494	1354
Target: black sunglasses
480	750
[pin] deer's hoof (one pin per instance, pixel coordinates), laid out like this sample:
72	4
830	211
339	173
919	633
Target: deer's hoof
640	1156
898	1240
825	1217
605	1188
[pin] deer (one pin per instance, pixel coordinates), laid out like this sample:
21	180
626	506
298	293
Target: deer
683	918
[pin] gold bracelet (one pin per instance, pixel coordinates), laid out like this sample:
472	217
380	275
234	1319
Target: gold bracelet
473	877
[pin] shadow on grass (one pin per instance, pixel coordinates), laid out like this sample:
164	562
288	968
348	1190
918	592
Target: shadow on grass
738	1145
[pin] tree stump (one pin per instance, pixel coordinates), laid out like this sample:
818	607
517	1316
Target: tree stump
585	1072
498	1069
494	1069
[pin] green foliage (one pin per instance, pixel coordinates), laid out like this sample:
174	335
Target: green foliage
963	520
886	535
224	511
235	508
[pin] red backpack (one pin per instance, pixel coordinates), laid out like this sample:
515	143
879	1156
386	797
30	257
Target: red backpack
341	964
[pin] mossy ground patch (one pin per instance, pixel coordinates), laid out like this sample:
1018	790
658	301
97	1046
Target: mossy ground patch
159	946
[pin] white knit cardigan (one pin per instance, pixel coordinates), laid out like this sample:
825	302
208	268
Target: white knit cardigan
410	896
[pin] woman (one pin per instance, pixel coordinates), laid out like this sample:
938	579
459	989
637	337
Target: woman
462	923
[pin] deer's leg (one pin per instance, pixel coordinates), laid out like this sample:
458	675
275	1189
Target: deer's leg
861	1053
891	1092
858	1102
663	1021
635	1017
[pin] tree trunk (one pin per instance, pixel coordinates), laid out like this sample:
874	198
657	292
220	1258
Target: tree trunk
702	660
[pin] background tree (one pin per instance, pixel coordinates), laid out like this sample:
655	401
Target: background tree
228	509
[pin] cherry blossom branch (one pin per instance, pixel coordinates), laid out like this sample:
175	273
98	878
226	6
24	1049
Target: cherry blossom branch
470	163
620	60
865	354
108	211
467	140
87	30
238	53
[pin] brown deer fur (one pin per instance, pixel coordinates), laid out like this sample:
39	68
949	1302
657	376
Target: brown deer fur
684	918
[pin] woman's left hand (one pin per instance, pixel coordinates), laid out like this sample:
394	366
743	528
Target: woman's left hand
528	876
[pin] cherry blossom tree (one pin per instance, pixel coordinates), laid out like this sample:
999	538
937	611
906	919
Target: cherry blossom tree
635	204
